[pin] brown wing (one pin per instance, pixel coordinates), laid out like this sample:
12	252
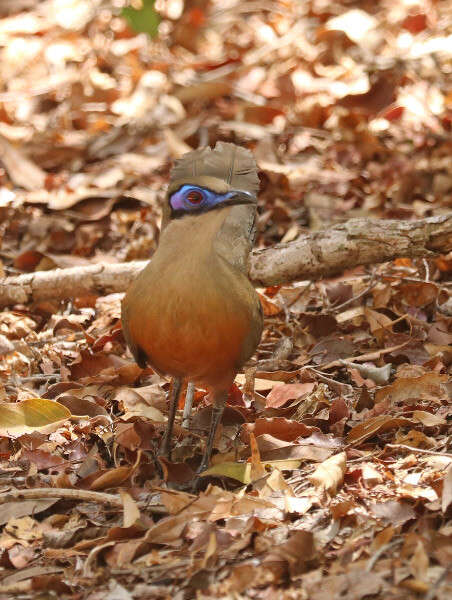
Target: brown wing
138	354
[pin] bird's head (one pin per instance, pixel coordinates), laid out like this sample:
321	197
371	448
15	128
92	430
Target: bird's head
209	179
192	198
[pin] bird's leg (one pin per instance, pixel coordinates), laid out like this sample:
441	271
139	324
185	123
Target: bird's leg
165	446
188	404
217	412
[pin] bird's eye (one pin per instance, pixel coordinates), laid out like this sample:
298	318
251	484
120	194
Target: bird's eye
195	197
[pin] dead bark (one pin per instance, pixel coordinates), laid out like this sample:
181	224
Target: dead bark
356	242
319	254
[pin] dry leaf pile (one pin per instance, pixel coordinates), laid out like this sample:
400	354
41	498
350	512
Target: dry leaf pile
333	471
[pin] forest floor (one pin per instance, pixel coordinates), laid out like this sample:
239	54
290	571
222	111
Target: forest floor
333	476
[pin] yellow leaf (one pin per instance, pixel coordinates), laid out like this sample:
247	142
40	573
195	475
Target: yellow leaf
234	470
243	471
36	414
284	465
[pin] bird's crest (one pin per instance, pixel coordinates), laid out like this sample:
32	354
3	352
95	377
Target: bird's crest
233	165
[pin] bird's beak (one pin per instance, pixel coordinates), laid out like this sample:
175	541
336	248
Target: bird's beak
241	197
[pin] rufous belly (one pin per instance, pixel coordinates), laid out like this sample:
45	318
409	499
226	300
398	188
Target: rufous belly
201	341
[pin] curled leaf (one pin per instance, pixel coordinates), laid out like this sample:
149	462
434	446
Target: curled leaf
329	475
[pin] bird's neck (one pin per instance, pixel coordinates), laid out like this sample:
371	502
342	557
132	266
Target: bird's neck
193	234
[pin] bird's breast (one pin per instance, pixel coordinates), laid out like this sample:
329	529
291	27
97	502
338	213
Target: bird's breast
194	317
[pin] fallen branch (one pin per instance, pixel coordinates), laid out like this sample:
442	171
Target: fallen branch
319	254
356	242
71	494
67	493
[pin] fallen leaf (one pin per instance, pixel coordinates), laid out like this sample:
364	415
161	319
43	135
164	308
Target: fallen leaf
283	429
174	501
22	171
21	508
177	473
111	478
131	510
260	385
82	407
206	90
369	428
296	552
243	471
282	394
257	468
357	24
329	475
104	366
377	320
168	531
393	512
419	293
405	388
269	308
352	585
30	572
415	23
428	419
239	471
24	528
446	498
419	562
380	95
135	435
379	375
37	414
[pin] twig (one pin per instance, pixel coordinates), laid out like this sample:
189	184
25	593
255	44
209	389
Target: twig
427	270
361	458
373	559
342	387
70	494
36	378
420	450
189	394
363	357
371	285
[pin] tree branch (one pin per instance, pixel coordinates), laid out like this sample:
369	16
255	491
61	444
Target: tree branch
319	254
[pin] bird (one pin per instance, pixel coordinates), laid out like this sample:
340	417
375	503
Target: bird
192	313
